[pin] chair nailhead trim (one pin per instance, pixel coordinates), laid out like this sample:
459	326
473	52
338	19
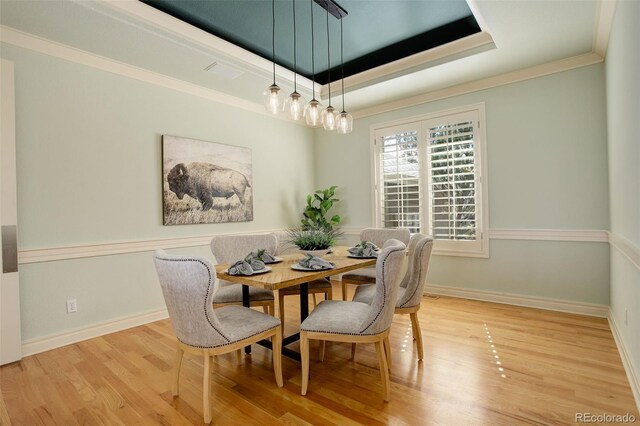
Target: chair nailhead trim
384	300
425	241
206	314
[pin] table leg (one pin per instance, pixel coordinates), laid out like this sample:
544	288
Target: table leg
304	301
246	303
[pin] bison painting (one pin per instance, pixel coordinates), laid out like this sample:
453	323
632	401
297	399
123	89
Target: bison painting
204	181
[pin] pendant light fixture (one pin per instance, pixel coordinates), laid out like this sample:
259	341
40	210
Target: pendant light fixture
329	114
272	96
344	122
295	104
314	107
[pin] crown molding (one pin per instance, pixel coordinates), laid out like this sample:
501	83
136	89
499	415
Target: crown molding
483	84
467	46
37	44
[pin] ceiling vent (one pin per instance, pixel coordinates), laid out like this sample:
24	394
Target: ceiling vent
224	70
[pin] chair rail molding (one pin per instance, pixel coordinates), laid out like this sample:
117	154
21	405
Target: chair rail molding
123	247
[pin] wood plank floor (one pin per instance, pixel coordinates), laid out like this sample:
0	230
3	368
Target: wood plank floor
485	364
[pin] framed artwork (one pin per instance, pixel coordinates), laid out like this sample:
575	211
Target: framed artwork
205	182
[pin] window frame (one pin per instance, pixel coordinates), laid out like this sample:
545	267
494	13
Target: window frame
480	248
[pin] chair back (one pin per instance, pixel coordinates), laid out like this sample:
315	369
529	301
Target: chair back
379	236
388	270
188	283
231	248
420	247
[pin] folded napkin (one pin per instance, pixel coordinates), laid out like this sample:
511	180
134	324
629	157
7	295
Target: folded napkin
313	262
256	264
241	267
261	255
364	249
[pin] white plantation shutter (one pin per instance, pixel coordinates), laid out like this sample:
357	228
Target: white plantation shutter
429	180
399	182
452	178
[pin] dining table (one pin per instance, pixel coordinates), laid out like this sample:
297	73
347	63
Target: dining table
282	275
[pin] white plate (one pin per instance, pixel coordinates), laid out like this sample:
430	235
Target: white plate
298	267
361	257
261	271
275	260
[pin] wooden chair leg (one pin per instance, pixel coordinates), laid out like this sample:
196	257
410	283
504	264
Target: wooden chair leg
417	334
265	309
304	355
353	351
239	356
344	290
315	302
281	308
277	356
387	350
323	345
328	295
206	385
384	371
176	370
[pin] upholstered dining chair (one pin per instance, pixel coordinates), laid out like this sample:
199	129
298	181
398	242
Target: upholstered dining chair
188	285
315	287
377	236
356	322
411	286
231	248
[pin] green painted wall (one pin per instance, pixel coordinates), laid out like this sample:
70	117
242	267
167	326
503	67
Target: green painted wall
547	169
623	107
89	172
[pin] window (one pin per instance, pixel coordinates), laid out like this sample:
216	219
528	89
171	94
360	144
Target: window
428	178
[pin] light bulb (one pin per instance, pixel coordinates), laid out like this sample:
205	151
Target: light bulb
272	99
329	118
344	123
312	113
294	106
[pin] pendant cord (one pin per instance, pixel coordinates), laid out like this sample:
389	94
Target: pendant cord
328	57
273	38
313	66
342	62
295	65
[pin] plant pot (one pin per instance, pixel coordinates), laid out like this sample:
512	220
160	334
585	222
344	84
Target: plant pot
316	253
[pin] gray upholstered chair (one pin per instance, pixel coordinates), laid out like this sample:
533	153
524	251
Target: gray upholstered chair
411	287
315	286
188	285
377	236
231	248
356	322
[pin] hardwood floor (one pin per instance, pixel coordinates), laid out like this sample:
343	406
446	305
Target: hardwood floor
484	364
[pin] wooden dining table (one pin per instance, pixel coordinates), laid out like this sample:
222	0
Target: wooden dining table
282	276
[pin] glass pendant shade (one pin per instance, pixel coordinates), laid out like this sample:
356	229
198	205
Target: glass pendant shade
313	113
294	106
344	123
273	99
329	118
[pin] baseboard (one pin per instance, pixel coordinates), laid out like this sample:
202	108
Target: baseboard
632	375
34	346
581	308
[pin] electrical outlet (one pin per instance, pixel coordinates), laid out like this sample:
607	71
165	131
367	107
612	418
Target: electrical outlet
72	306
626	317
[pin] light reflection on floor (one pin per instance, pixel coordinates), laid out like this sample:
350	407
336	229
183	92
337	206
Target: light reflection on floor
494	351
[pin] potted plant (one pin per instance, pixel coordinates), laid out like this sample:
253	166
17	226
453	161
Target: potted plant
316	234
314	241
